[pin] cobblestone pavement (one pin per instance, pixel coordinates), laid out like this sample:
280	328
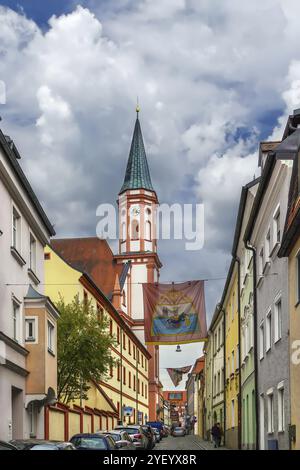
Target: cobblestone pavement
190	442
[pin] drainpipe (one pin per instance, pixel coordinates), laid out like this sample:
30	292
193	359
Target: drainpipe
251	248
239	340
121	377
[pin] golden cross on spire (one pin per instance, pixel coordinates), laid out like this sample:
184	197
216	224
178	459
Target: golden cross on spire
137	105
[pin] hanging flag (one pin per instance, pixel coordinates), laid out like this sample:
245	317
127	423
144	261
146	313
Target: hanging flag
174	313
177	374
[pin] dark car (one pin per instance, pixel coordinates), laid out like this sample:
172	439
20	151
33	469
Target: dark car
122	439
7	446
41	444
137	435
158	425
149	433
88	441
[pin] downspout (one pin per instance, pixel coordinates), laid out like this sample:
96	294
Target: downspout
251	248
239	340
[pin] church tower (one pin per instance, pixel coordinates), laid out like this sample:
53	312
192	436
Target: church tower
137	204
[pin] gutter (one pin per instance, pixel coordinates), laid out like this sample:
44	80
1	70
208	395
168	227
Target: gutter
251	248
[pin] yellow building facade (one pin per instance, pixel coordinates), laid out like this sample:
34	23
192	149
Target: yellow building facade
232	388
127	386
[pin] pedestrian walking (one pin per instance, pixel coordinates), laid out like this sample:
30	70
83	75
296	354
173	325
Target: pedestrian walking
216	434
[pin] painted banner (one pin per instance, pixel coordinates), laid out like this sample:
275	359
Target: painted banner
177	374
174	313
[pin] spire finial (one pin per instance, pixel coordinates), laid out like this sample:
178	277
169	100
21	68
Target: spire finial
137	106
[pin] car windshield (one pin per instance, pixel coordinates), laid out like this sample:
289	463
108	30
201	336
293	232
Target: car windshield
90	443
44	447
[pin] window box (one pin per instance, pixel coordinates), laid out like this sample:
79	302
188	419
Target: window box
33	276
17	256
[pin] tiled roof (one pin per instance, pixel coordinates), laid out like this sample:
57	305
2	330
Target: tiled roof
137	174
92	256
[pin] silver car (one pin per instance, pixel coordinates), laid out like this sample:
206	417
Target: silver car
179	431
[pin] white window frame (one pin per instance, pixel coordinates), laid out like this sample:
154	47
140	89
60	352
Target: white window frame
276	226
281	414
50	337
32	254
268	245
16	235
16	320
261	340
34	338
268	342
270	408
277	319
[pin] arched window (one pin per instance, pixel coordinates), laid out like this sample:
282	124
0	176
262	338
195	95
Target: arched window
134	230
148	230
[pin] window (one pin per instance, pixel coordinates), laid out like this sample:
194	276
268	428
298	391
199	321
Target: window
142	360
50	337
276	226
134	230
148	231
118	335
100	313
30	330
85	298
268	331
16	321
146	391
142	389
261	262
124	341
129	379
124	375
134	383
268	245
278	320
270	401
134	352
129	347
16	230
219	383
232	362
110	327
111	371
118	372
232	414
281	408
32	253
261	341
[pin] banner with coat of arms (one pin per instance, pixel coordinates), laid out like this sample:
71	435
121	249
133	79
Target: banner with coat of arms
177	374
174	313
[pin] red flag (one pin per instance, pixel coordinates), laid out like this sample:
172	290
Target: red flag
174	313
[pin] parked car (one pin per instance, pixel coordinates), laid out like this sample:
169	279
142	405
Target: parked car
89	441
135	431
179	431
122	439
7	446
41	444
149	433
158	425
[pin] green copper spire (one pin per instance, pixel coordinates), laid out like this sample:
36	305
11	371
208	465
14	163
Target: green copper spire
137	174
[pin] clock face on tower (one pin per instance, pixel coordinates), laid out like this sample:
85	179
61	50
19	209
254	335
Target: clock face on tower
135	210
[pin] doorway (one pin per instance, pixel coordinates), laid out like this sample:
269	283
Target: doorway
16	413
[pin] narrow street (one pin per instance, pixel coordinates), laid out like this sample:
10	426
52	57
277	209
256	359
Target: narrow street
190	442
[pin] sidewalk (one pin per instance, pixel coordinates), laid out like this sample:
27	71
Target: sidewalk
205	445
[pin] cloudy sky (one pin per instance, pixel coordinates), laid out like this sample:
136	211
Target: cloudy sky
213	78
